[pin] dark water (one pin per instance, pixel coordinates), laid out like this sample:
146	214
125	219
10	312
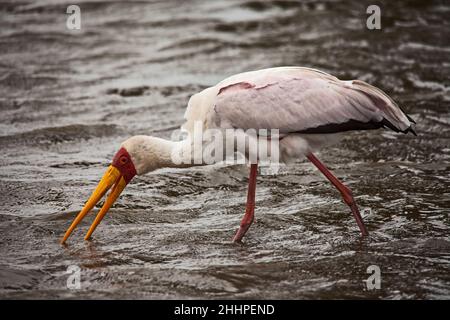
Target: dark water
68	98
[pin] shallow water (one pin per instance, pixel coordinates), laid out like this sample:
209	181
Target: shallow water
69	98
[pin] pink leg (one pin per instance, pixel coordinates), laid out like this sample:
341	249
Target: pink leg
250	208
345	192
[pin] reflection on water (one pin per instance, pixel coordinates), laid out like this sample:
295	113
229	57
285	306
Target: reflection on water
68	100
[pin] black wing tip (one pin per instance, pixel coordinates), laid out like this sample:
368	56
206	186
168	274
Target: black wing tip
356	125
407	115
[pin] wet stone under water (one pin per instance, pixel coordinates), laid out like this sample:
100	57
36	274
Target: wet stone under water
68	99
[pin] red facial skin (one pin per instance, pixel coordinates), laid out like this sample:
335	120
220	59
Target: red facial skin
122	161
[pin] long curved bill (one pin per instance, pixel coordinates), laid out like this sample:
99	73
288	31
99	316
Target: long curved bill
111	178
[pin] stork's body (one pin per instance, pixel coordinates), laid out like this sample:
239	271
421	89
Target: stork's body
309	108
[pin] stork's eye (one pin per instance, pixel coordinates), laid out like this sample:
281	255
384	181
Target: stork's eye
123	159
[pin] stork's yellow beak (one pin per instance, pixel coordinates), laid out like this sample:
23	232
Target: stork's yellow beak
111	178
119	173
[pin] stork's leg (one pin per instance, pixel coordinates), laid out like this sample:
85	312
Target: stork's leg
250	207
345	192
